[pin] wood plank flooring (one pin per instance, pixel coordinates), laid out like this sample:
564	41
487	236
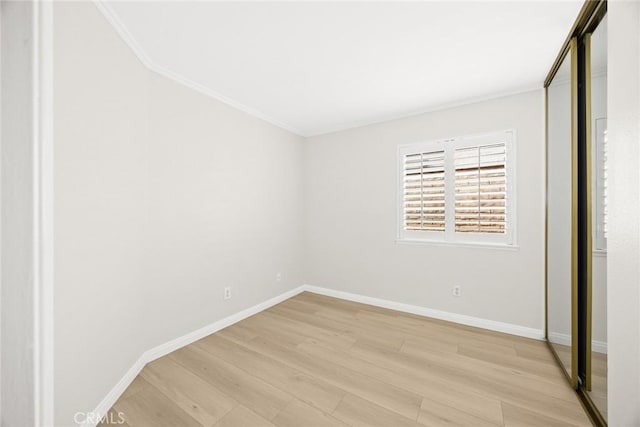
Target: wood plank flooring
319	361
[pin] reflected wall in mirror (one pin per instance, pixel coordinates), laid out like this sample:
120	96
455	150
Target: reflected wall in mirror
598	80
560	197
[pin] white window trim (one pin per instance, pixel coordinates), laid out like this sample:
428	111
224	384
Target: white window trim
449	237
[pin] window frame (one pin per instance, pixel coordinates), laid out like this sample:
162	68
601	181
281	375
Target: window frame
449	236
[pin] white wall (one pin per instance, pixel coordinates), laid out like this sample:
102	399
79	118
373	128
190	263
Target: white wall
26	303
17	310
163	197
623	244
351	204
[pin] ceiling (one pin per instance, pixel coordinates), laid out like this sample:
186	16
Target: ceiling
317	67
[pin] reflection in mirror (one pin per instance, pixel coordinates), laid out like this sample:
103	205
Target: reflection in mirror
598	392
559	224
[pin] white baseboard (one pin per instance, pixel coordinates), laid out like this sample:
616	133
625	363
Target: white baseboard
116	391
175	344
492	325
562	339
565	339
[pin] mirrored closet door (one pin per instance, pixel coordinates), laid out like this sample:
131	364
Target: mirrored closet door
576	227
561	203
596	82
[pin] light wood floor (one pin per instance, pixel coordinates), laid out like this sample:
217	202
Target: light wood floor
319	361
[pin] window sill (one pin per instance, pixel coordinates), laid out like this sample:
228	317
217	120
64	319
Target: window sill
420	242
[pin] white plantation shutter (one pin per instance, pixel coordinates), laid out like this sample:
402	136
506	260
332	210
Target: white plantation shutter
481	189
424	191
458	190
601	190
605	189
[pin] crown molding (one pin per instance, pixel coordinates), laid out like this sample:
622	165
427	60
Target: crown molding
414	113
142	56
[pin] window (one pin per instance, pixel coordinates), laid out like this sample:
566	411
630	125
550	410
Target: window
458	190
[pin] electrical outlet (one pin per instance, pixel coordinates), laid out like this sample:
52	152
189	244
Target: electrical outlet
278	277
456	291
227	293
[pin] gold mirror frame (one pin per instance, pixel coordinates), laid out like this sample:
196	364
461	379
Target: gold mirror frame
571	52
